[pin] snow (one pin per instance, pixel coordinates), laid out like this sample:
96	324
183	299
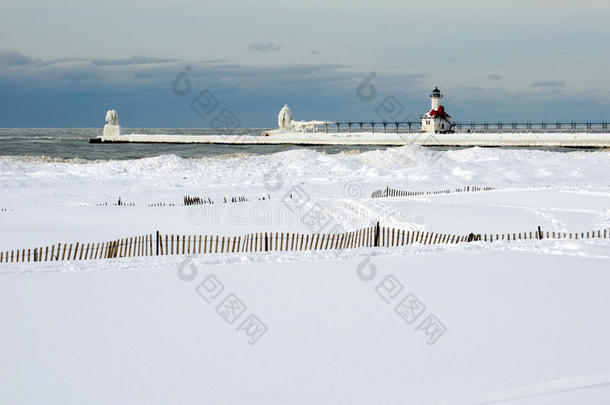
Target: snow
523	319
274	137
518	325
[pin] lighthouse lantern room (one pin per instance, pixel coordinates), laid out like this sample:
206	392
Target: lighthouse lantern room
436	120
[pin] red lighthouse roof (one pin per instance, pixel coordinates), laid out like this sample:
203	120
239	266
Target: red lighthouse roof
440	112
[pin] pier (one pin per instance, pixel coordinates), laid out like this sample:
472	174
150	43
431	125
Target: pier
369	138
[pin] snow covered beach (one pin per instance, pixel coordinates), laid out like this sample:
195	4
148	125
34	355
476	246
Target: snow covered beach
521	318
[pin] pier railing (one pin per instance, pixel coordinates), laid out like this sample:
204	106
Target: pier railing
497	126
543	126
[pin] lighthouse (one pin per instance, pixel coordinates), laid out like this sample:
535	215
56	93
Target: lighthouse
436	120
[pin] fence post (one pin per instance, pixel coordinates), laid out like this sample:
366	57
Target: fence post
540	235
266	243
157	243
377	235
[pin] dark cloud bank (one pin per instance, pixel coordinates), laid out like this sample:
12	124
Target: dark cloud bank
76	92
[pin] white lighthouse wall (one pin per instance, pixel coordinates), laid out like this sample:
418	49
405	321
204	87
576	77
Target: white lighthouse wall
435	101
435	124
427	124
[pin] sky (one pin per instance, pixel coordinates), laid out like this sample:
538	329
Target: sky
64	64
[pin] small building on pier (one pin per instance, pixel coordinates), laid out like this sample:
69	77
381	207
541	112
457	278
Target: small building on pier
436	120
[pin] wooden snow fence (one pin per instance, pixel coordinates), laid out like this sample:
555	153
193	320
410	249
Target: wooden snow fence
163	244
186	201
391	192
190	200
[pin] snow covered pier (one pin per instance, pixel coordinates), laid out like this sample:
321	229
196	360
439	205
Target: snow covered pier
435	129
550	139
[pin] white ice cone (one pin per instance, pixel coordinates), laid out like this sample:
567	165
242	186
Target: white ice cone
112	127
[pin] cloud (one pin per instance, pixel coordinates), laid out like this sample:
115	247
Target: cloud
314	52
215	61
494	76
134	60
15	58
549	83
265	47
78	91
83	73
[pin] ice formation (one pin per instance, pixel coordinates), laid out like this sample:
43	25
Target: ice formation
284	119
112	127
286	124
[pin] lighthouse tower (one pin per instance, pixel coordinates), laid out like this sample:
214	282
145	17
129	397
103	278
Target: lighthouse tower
435	98
436	120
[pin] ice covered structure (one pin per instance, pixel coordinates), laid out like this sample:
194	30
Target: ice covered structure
286	124
284	118
112	127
